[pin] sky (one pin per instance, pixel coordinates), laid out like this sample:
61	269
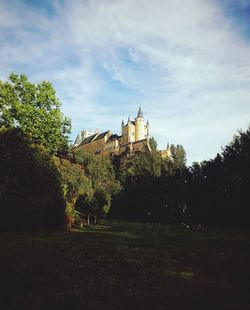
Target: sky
186	63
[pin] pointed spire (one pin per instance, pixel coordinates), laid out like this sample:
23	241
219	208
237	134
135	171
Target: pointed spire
122	123
78	139
140	113
147	123
129	119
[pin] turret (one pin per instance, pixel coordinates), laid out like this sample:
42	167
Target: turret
77	140
122	125
129	130
139	126
122	130
140	113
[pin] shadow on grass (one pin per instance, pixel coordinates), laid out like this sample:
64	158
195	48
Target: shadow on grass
123	265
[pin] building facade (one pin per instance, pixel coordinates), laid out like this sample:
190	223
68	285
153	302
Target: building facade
134	136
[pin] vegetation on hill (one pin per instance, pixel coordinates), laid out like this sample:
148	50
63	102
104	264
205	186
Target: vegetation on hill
104	183
213	192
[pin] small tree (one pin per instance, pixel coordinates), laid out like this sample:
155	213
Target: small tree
74	183
102	174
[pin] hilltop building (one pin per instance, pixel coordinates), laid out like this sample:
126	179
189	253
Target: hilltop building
134	136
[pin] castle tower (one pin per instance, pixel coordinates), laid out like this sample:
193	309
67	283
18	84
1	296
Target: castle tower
140	126
129	131
122	127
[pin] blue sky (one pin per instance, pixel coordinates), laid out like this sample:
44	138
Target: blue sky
187	63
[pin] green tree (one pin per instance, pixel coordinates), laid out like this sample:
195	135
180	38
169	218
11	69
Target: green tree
176	162
139	174
31	196
178	154
218	189
145	164
102	174
74	182
35	109
154	158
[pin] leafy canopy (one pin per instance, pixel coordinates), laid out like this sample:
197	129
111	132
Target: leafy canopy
35	109
102	174
73	181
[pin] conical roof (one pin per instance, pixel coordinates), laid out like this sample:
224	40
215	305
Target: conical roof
140	113
78	139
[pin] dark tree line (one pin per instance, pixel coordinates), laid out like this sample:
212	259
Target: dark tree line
151	185
214	192
218	189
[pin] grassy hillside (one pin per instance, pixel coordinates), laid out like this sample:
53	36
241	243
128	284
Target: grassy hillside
122	265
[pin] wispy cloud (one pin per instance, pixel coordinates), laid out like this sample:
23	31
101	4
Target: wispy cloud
186	62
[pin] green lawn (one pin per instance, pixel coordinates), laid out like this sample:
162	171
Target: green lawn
122	265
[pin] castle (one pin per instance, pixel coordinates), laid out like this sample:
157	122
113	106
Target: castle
134	136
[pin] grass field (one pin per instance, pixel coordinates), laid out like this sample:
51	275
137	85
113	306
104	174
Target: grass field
122	265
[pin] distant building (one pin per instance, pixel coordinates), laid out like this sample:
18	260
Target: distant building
134	136
166	153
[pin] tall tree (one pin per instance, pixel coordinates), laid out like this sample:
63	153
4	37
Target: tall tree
178	155
31	196
35	109
218	189
102	174
155	158
139	174
74	182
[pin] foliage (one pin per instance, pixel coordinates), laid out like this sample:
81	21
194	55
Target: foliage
213	192
35	109
219	188
141	166
74	182
151	185
102	174
178	156
30	189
